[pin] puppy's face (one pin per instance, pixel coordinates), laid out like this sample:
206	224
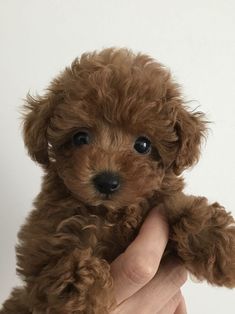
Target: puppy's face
114	127
108	163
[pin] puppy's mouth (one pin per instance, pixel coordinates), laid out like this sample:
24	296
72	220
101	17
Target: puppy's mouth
106	197
109	200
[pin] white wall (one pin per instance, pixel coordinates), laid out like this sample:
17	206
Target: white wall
194	38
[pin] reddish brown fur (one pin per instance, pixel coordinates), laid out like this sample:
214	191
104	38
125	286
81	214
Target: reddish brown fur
73	233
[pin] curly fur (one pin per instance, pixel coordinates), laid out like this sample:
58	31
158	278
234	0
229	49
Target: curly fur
74	233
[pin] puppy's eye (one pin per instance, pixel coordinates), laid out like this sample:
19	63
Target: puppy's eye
142	145
81	138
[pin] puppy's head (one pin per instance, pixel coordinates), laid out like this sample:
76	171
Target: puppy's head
113	126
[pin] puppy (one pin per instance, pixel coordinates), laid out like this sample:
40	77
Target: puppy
113	136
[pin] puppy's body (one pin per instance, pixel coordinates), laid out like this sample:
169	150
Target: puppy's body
112	135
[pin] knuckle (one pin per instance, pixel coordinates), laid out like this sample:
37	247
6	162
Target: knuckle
179	276
172	304
176	298
139	270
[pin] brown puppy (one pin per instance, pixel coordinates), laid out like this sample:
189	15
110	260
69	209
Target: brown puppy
113	136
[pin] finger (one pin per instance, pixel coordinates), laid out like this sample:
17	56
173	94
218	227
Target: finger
139	263
157	293
172	304
181	309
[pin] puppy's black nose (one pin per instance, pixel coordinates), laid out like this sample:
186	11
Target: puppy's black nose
106	182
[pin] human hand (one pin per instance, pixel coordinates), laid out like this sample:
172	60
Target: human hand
140	288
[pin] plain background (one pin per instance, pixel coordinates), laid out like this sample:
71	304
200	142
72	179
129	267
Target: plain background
194	38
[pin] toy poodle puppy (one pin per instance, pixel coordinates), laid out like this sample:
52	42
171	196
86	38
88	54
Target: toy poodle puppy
113	136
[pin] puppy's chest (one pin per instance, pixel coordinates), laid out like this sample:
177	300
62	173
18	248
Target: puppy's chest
106	234
115	233
121	235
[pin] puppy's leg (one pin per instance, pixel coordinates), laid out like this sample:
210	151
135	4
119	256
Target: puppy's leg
67	274
17	303
77	283
204	238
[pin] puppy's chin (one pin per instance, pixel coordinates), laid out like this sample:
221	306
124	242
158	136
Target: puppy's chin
110	202
116	202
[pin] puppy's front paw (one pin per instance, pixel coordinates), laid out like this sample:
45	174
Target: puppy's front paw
205	240
221	262
84	288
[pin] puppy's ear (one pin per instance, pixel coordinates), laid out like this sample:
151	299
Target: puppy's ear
36	117
190	128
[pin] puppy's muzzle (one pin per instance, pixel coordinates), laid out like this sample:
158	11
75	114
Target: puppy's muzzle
106	182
